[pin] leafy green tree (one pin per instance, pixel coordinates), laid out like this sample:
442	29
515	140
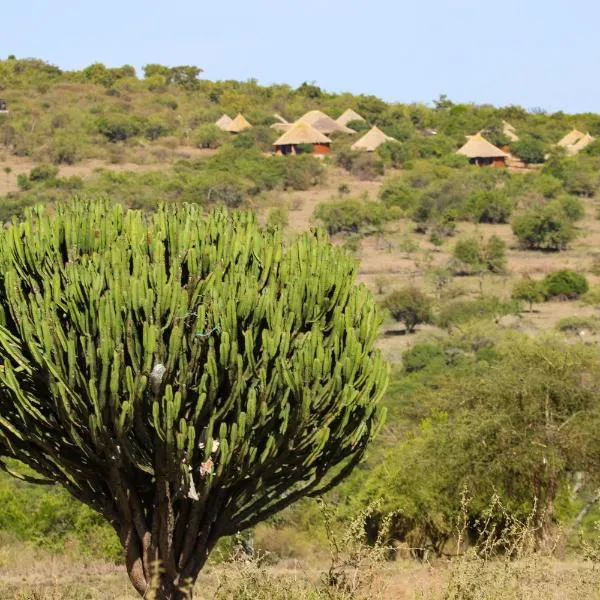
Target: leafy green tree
528	290
564	283
186	377
542	229
478	256
529	150
409	306
489	206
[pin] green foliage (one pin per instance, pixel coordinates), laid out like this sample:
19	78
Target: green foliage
529	150
156	365
209	136
475	256
528	290
409	306
421	356
460	312
543	229
395	192
43	172
564	284
351	215
118	128
570	206
578	324
489	206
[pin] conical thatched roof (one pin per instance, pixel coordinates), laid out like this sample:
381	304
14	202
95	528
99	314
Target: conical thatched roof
224	121
478	147
302	133
322	122
582	143
509	131
348	116
571	138
372	140
238	124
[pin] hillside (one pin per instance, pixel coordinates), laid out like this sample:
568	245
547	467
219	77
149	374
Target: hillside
498	269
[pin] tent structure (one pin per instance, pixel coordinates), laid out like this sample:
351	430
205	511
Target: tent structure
372	140
238	124
481	152
224	121
300	134
575	141
323	123
509	131
348	116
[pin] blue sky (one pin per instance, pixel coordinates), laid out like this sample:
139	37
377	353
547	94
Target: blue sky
529	52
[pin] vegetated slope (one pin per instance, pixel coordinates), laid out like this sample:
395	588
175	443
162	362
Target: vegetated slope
484	246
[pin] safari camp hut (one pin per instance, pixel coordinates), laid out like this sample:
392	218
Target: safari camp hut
224	121
280	124
372	140
238	124
483	153
323	123
301	134
575	141
348	116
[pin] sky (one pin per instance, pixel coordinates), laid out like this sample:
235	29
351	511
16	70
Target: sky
534	53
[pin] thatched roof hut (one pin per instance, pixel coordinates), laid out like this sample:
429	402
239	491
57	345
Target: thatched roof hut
348	116
372	140
323	123
300	134
575	141
224	121
571	138
238	124
481	152
509	131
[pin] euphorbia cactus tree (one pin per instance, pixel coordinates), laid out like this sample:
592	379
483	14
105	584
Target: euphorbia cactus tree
186	376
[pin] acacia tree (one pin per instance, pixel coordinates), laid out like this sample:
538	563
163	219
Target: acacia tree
184	376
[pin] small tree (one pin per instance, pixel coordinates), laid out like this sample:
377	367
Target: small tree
565	284
409	306
478	256
185	377
529	150
545	229
528	290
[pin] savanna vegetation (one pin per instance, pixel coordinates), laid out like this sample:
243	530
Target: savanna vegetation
487	281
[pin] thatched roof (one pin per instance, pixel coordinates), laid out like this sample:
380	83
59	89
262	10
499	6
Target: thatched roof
571	138
238	124
280	118
372	140
348	116
478	147
224	121
582	143
509	131
322	122
302	133
282	126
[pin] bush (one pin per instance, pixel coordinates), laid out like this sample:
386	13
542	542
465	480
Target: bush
420	356
208	136
490	206
529	150
43	172
564	284
351	215
528	290
570	206
577	324
367	166
409	306
118	128
475	256
462	311
544	229
395	192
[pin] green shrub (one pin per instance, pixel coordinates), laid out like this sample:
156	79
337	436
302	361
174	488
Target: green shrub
564	284
118	128
489	206
409	306
544	229
420	356
43	172
395	192
351	215
463	311
528	290
476	256
529	150
577	324
208	136
570	206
